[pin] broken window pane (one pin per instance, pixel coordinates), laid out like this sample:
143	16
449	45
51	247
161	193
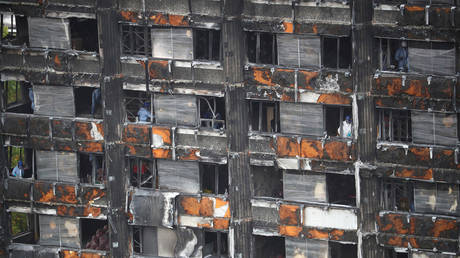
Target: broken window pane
215	244
142	172
49	33
212	112
337	52
176	109
214	178
172	43
94	234
262	47
265	116
23	228
84	34
300	118
138	106
398	196
136	40
92	168
18	96
304	187
268	181
395	125
299	50
270	247
339	121
207	44
347	193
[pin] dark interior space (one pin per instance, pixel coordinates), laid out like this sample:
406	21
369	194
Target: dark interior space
345	51
94	234
391	253
84	34
207	44
335	115
268	181
215	244
92	169
15	29
142	172
24	228
265	116
17	95
337	52
399	196
134	100
84	100
261	47
339	250
330	52
212	112
341	189
269	247
214	178
388	51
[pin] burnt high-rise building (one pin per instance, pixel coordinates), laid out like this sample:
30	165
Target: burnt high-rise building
230	128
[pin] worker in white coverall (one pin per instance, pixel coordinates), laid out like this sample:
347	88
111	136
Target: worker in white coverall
346	128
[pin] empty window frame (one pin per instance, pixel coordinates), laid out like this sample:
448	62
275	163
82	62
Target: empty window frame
88	102
94	234
14	29
398	195
92	168
214	178
136	40
24	155
269	247
394	125
347	193
24	228
387	52
267	181
261	48
215	244
207	45
154	241
338	121
265	116
337	52
143	172
138	106
17	97
8	21
84	34
339	250
212	112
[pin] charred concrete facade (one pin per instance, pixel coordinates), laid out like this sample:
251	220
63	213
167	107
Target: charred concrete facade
246	153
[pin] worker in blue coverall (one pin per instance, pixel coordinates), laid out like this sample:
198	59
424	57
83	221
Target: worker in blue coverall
401	56
95	99
18	171
144	114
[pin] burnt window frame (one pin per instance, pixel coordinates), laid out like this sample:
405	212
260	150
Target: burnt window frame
211	36
260	104
130	35
32	228
21	96
94	175
127	100
390	197
139	182
341	119
257	47
219	236
381	125
338	49
218	174
214	121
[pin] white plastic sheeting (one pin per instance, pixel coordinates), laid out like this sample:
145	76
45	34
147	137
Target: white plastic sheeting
304	187
434	128
319	217
300	118
172	43
54	100
432	61
57	166
158	241
175	109
179	176
299	50
59	231
49	33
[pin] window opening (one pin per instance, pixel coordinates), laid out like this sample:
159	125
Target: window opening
339	121
138	107
207	44
18	97
395	125
398	196
212	112
92	168
391	253
24	228
268	181
14	29
215	244
136	40
84	34
337	52
389	61
262	48
214	178
347	193
20	162
142	172
269	247
339	250
88	102
95	234
265	116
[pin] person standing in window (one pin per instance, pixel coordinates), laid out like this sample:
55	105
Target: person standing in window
95	99
345	128
143	114
401	56
18	171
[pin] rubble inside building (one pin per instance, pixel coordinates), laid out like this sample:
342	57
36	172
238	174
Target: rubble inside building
243	128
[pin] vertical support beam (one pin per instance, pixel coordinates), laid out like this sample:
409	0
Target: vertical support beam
367	184
113	112
4	220
237	131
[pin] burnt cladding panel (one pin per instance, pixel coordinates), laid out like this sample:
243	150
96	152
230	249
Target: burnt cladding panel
179	176
432	61
49	33
59	231
299	118
54	100
304	187
175	109
57	166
